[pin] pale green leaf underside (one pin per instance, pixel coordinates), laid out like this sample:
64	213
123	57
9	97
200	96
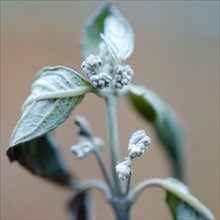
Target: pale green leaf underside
118	36
182	203
55	93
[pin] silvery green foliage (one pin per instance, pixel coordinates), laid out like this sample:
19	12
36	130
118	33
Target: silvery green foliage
118	36
107	41
55	92
182	203
109	25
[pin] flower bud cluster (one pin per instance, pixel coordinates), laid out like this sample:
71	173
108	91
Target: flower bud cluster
123	75
82	149
87	143
95	69
86	146
92	68
137	145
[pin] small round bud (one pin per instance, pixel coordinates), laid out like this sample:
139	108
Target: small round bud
123	169
123	75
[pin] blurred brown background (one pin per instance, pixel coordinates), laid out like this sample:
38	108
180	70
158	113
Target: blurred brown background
176	55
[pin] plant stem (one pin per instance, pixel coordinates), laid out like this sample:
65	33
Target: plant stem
122	209
128	185
113	138
103	169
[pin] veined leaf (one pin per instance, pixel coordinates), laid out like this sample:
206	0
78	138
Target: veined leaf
118	36
55	93
182	204
108	24
41	157
166	122
90	37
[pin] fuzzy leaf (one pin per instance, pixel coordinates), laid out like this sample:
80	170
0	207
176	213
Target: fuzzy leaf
166	122
90	36
79	206
108	24
118	36
55	93
182	204
41	157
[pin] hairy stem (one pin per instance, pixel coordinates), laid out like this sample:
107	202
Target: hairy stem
104	170
128	185
113	138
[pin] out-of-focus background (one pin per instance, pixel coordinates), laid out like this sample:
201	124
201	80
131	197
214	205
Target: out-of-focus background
176	55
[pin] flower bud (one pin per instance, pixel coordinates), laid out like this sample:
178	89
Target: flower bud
91	66
138	144
123	169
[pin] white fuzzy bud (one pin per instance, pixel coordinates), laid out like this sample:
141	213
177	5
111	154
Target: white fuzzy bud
138	144
101	81
91	66
123	75
123	169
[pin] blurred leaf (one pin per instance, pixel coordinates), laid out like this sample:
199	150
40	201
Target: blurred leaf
79	206
116	32
41	157
182	204
55	93
166	122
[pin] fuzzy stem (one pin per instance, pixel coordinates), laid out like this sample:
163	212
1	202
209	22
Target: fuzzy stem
128	185
113	138
103	169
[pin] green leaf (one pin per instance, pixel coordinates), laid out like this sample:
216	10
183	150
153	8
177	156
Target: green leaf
90	36
55	93
108	25
79	206
182	204
41	157
166	122
118	36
